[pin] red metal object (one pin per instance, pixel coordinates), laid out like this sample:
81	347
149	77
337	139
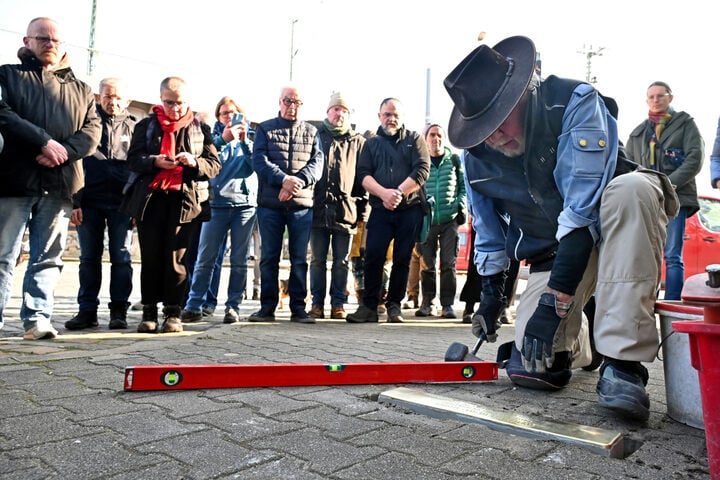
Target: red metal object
704	347
188	377
702	290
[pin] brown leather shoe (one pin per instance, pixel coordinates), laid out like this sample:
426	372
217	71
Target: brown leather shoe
337	312
172	325
316	311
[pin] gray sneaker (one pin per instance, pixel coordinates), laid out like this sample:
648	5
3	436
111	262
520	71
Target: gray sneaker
394	314
622	388
362	315
231	316
40	332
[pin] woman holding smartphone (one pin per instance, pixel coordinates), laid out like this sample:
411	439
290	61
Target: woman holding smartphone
232	208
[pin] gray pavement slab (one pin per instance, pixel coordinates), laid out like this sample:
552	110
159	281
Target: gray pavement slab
65	414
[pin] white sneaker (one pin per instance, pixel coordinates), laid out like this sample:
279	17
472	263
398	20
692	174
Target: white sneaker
40	332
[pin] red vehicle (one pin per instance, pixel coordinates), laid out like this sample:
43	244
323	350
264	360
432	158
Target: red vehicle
464	248
702	239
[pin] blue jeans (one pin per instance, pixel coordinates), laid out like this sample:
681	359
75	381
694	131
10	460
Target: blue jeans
383	227
674	266
272	223
320	240
210	300
240	221
47	220
91	233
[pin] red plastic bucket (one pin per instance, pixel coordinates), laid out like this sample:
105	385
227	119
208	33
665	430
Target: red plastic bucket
704	348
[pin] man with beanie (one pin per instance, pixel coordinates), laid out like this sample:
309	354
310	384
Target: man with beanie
49	122
393	167
335	213
446	184
549	183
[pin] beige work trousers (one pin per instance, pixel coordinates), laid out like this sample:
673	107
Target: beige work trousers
623	273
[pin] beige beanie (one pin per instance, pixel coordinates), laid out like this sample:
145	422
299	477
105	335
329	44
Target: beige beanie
337	99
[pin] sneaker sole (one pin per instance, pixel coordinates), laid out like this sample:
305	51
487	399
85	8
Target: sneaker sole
534	382
42	336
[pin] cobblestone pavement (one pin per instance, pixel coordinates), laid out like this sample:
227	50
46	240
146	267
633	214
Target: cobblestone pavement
65	414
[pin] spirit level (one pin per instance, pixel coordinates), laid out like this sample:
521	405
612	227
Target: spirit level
188	377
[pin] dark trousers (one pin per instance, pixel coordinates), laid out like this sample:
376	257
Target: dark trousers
163	245
91	233
384	226
442	237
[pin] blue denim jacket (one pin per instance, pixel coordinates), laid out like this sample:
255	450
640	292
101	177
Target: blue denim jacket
236	185
577	168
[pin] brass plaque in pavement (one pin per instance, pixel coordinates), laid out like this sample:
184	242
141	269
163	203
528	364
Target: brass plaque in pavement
603	442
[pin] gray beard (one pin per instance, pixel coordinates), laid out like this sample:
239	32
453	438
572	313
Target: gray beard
390	131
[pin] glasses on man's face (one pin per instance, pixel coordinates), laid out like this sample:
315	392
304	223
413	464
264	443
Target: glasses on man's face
173	104
47	40
289	101
659	96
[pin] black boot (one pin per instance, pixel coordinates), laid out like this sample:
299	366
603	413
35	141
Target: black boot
149	319
172	322
84	319
118	315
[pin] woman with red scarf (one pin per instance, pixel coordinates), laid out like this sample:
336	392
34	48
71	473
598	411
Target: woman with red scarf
173	157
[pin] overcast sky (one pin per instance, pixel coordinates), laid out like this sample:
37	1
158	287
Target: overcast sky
373	49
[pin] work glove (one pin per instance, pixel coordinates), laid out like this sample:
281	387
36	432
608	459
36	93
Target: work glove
485	320
537	346
492	302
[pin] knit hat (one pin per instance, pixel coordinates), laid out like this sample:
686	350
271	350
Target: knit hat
337	99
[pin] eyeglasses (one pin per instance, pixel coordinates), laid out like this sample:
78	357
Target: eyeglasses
173	104
47	40
288	101
229	112
659	96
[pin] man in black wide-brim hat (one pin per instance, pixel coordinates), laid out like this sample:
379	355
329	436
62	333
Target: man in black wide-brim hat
549	184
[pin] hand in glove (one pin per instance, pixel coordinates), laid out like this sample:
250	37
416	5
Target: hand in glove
485	319
537	346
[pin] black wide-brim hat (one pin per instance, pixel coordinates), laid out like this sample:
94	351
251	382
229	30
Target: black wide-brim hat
486	86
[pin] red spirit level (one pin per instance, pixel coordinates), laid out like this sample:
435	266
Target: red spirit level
188	377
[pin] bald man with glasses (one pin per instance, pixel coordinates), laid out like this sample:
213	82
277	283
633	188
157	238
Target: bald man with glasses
49	122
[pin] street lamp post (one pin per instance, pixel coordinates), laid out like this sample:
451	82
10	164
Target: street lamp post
293	52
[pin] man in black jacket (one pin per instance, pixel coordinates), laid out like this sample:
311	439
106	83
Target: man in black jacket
106	172
393	167
49	122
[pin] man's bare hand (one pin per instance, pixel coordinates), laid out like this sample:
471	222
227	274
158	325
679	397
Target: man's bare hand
187	159
391	198
165	162
76	217
54	154
292	184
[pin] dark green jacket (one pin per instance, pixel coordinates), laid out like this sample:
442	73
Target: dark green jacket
679	155
447	186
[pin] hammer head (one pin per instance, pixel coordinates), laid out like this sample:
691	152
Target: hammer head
459	352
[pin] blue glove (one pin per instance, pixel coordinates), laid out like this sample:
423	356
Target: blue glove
537	346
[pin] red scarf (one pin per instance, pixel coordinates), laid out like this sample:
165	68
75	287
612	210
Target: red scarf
658	120
169	179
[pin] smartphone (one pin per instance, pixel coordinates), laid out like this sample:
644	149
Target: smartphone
236	119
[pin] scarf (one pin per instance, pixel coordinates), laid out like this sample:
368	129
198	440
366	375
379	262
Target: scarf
335	131
169	179
659	120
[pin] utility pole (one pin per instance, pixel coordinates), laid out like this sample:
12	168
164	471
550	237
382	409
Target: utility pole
91	43
293	52
589	54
